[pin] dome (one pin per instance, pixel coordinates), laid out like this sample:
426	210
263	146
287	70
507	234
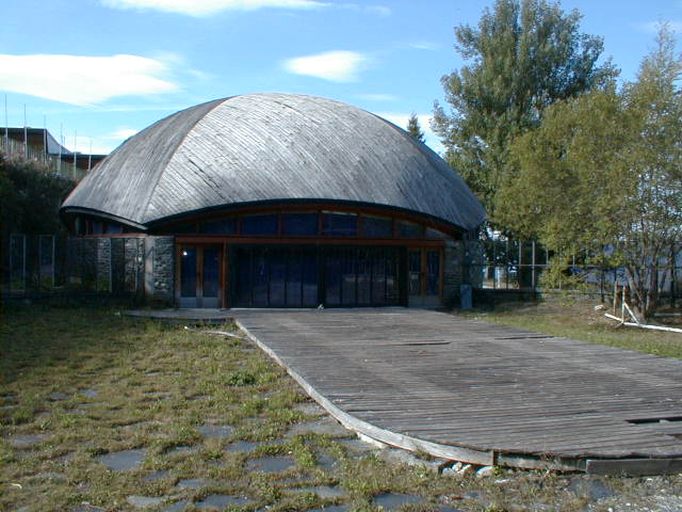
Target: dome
271	148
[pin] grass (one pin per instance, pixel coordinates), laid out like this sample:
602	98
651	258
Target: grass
90	382
577	318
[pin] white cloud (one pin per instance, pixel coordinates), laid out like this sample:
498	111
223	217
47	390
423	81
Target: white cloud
379	10
335	66
378	97
83	80
200	8
400	119
424	45
653	27
122	133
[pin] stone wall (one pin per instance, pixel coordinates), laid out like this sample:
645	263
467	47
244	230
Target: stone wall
160	269
142	267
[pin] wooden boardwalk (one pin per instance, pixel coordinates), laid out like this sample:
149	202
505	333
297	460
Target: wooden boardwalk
475	392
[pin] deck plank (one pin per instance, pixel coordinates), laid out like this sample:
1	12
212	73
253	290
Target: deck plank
421	375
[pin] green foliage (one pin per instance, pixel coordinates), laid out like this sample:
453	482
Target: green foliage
30	197
524	56
602	175
241	378
414	129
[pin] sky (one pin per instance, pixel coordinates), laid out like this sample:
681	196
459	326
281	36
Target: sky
95	72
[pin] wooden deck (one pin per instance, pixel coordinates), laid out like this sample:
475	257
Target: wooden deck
480	393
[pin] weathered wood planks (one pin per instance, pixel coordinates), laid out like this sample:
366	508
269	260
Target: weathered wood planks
482	392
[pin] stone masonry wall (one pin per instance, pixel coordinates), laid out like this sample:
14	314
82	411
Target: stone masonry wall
104	254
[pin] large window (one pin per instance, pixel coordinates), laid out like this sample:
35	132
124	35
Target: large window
300	224
259	225
224	226
339	224
271	276
377	227
310	223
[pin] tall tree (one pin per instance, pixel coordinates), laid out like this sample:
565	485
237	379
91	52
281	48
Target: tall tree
414	129
602	176
523	56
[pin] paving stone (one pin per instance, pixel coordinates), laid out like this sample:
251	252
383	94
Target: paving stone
331	508
242	446
22	441
404	457
310	409
191	483
57	396
593	488
273	464
156	475
181	450
85	507
323	491
221	501
358	446
144	501
88	393
123	460
327	462
178	506
393	501
324	426
216	431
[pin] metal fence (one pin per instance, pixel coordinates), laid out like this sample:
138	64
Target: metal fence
34	264
519	265
47	264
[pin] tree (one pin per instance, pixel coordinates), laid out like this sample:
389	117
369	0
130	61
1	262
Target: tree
414	129
602	176
524	56
30	197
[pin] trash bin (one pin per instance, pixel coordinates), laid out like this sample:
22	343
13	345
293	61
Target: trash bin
465	296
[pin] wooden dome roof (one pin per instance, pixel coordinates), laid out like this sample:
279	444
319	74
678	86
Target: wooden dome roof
265	148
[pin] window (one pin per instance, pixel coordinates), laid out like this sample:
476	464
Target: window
226	226
259	225
410	230
339	224
377	227
299	224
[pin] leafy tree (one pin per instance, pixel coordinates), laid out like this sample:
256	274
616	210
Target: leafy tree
414	129
30	197
602	175
523	56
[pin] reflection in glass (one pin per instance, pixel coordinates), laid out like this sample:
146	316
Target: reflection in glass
188	272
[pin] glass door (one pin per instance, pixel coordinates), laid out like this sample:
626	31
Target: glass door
424	277
199	280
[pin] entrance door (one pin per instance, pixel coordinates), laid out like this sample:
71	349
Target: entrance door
424	276
199	283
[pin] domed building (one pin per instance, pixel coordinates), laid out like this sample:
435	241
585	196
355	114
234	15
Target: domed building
281	200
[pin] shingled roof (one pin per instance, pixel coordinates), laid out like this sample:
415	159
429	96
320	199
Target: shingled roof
271	148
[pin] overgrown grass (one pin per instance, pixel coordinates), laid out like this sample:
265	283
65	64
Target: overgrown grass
91	382
578	319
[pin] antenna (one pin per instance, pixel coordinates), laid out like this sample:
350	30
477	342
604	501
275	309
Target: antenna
75	146
61	145
6	128
25	135
45	138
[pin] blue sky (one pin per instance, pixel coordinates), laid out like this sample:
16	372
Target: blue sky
97	71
